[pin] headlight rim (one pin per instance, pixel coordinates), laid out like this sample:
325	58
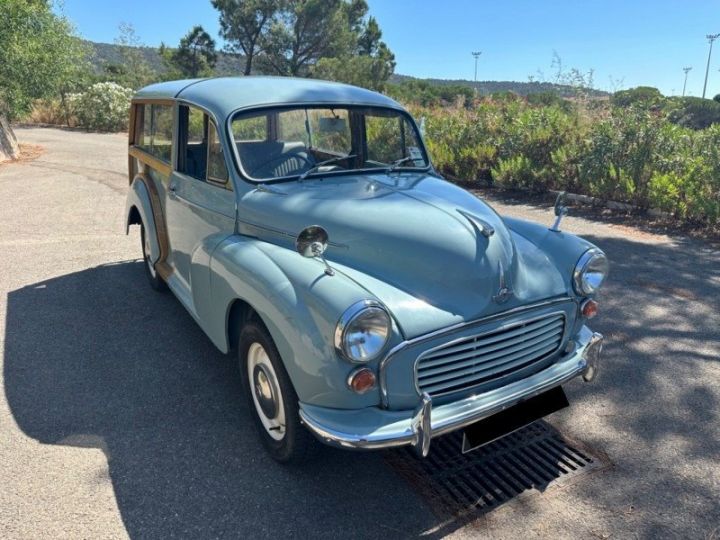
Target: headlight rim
581	267
350	314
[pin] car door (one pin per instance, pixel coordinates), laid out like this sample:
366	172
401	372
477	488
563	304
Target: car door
200	204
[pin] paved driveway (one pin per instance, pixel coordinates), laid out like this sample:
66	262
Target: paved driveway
105	433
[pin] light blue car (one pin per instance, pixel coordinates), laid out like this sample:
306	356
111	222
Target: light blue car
370	303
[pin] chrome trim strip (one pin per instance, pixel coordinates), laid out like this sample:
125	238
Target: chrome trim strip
448	330
283	233
499	329
417	427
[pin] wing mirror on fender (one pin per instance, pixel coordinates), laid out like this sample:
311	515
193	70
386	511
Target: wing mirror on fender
560	211
312	242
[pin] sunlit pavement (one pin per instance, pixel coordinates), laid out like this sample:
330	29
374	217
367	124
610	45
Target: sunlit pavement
119	418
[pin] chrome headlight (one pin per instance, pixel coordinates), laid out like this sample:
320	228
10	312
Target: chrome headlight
590	272
363	331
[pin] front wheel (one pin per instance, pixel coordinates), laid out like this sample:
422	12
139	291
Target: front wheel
271	397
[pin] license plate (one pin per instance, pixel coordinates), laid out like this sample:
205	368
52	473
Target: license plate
518	416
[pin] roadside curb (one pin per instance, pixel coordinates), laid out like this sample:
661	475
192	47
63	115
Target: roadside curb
613	205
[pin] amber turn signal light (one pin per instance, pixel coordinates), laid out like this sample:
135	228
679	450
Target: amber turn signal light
589	308
362	380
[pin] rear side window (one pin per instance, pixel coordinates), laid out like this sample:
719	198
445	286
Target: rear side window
157	130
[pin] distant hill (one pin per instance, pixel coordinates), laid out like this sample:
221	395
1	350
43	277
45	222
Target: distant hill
107	53
232	64
491	87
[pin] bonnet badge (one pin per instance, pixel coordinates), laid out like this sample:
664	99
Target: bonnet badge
504	292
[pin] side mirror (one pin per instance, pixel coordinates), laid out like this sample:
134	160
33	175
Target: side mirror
560	211
312	242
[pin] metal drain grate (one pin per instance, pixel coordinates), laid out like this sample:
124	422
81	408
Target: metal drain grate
455	484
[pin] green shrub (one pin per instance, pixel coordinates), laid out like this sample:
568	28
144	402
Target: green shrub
630	153
694	112
102	107
644	96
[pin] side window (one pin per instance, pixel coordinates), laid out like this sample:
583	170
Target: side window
217	171
146	134
200	154
193	148
162	132
155	130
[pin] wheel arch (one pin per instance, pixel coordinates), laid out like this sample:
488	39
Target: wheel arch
238	313
139	210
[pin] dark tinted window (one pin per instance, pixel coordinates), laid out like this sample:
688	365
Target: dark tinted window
200	153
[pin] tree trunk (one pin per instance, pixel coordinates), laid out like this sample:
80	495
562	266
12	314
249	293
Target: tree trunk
9	148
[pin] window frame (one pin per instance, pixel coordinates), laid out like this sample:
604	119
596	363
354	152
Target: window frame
136	129
355	131
209	120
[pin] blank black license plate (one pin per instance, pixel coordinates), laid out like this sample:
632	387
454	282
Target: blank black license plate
520	415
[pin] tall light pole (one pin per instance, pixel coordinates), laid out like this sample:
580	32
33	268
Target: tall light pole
686	70
476	54
710	38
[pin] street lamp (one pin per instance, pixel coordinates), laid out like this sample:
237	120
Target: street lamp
476	54
686	70
710	38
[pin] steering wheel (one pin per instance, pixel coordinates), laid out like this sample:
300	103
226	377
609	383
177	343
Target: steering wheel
282	159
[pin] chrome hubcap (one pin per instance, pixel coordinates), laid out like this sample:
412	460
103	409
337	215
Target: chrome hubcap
266	391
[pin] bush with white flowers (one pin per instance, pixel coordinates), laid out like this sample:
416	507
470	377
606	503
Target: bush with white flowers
104	106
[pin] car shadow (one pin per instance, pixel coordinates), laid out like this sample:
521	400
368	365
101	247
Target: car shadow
97	359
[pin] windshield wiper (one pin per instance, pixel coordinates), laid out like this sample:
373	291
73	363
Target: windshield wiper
315	167
395	164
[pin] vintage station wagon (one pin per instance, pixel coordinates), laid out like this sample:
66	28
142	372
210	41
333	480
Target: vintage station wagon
369	302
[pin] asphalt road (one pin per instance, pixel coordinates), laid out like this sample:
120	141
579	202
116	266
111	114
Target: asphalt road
118	417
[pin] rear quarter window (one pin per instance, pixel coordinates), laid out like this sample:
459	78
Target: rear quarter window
156	135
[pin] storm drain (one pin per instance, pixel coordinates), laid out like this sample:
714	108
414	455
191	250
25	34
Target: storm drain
455	484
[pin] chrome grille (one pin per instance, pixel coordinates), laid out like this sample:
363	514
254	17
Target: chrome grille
484	357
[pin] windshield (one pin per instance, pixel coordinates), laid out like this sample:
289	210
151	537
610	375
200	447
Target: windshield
286	144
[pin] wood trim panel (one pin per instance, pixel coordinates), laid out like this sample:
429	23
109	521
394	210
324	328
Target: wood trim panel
148	159
162	267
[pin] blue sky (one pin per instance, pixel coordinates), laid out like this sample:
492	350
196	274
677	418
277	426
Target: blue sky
628	43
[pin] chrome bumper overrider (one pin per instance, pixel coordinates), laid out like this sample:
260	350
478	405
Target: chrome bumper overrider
375	428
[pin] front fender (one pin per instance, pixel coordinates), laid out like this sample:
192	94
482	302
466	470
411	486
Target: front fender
300	305
562	249
138	198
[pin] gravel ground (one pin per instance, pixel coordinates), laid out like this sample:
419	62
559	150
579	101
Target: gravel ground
118	417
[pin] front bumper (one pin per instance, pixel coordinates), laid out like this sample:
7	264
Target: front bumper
374	428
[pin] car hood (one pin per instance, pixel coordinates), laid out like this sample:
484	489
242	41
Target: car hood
413	241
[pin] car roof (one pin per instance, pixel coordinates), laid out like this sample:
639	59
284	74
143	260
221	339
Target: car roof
223	95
